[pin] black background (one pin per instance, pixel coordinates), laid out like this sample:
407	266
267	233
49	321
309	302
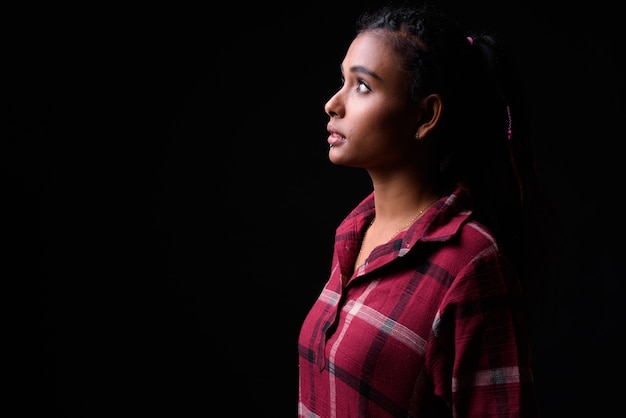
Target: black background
171	207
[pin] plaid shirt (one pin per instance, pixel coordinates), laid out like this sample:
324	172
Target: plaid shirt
431	326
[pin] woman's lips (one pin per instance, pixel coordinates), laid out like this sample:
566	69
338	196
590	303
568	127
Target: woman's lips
334	139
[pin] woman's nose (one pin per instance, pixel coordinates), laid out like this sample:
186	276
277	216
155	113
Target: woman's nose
334	106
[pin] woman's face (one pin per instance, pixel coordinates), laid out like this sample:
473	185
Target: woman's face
372	122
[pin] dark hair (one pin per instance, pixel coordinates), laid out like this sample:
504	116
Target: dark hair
479	144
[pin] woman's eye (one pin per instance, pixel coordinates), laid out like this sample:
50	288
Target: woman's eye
362	87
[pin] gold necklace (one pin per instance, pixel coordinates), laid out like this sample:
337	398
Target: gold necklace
420	213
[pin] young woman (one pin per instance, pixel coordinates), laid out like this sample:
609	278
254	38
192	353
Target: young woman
423	314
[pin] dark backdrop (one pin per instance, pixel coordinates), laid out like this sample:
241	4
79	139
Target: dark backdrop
171	207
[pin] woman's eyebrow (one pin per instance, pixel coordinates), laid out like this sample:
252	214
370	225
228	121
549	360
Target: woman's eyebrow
364	70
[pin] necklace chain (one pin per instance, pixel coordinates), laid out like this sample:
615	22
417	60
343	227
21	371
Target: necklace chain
399	230
413	219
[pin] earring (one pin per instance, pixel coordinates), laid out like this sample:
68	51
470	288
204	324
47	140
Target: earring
417	135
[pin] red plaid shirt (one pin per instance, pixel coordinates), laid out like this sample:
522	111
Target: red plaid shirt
432	326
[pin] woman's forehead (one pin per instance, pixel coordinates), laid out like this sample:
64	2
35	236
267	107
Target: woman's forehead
370	50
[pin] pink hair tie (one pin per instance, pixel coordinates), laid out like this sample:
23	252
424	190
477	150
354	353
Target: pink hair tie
471	41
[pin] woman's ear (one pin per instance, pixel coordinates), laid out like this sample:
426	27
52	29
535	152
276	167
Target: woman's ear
430	115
